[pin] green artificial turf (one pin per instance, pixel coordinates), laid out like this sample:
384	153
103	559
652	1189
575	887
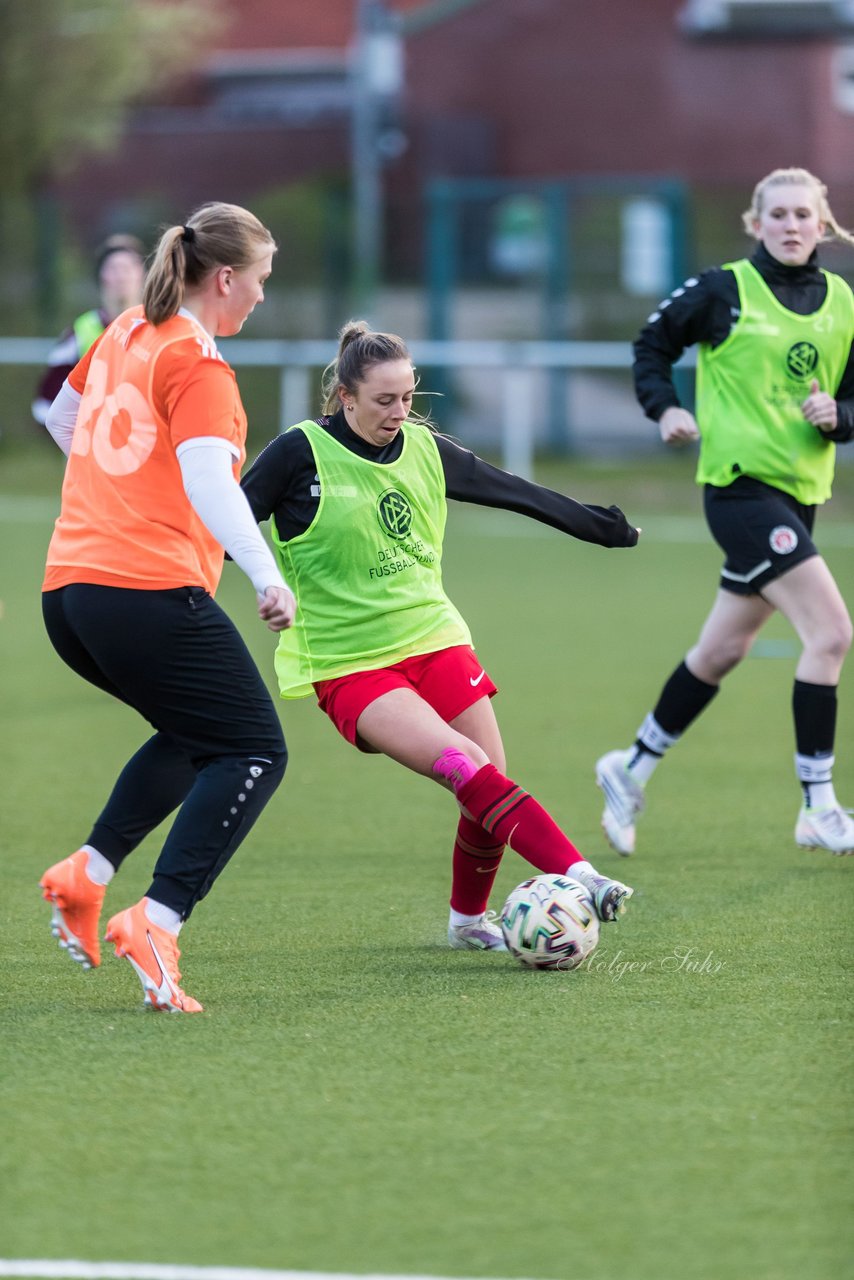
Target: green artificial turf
359	1098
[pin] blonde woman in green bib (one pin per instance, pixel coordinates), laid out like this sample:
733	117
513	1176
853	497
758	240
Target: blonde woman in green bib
358	500
775	395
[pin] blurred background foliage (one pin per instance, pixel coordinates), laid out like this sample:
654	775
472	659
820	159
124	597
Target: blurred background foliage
70	68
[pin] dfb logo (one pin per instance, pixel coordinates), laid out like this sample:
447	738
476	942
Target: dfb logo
395	514
801	360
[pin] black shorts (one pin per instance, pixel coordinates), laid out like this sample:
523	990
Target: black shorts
763	532
175	657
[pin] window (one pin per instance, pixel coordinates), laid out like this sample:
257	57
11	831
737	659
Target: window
767	17
843	78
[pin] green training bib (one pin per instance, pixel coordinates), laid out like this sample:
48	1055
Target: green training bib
751	387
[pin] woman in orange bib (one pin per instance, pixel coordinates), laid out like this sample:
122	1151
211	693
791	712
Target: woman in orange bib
154	430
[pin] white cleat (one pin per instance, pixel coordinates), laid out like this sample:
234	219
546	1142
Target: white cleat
482	935
624	800
831	829
68	940
609	896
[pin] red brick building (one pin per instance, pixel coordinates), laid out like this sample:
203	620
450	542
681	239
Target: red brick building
499	88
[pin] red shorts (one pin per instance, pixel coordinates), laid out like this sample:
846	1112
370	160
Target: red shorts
450	680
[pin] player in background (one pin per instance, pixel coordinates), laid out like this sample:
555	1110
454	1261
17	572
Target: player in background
119	272
359	500
154	430
775	395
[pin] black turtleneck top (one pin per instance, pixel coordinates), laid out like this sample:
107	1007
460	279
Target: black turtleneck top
705	308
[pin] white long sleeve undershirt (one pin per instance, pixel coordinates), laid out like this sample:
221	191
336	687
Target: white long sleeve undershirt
62	415
221	505
209	484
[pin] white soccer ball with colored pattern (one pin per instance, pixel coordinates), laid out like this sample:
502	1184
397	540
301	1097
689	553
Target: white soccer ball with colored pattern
549	922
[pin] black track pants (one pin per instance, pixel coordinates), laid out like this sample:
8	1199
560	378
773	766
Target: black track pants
218	752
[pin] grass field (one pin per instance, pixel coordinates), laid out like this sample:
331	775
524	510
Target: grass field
358	1098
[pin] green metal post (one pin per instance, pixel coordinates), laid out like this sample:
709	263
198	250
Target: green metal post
47	259
556	301
441	273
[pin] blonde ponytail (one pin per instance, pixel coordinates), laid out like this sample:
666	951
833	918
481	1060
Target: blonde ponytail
216	235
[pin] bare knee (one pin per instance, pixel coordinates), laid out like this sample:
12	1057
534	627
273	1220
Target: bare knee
832	642
712	662
842	639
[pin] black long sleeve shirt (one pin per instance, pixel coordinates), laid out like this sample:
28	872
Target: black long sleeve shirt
283	483
705	308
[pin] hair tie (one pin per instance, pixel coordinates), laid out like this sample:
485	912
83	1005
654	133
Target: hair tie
188	235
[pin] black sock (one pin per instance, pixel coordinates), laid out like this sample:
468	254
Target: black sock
814	710
681	701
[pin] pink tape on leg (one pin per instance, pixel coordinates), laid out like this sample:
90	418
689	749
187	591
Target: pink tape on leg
455	767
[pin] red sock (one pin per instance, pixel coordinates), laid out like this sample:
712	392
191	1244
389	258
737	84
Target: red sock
477	857
510	814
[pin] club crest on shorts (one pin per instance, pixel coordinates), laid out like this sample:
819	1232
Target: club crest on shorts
783	540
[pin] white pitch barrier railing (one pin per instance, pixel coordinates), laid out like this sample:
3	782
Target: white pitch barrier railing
517	363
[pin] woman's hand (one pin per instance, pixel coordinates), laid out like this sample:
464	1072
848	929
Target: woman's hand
277	607
819	408
678	426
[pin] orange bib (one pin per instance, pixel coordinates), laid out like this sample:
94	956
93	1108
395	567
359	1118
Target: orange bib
125	519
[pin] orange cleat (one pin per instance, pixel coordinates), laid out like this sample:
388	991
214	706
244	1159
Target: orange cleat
76	908
154	954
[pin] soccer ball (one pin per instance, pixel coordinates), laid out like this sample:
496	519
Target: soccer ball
549	922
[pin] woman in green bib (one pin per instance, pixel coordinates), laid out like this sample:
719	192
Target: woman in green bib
775	395
358	500
120	275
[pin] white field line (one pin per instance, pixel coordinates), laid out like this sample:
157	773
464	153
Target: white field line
66	1269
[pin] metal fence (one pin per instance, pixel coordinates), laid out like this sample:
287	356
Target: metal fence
516	365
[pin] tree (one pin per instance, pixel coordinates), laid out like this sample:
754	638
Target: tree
69	70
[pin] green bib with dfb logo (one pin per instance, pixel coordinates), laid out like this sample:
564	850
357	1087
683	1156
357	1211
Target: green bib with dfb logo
750	389
367	573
